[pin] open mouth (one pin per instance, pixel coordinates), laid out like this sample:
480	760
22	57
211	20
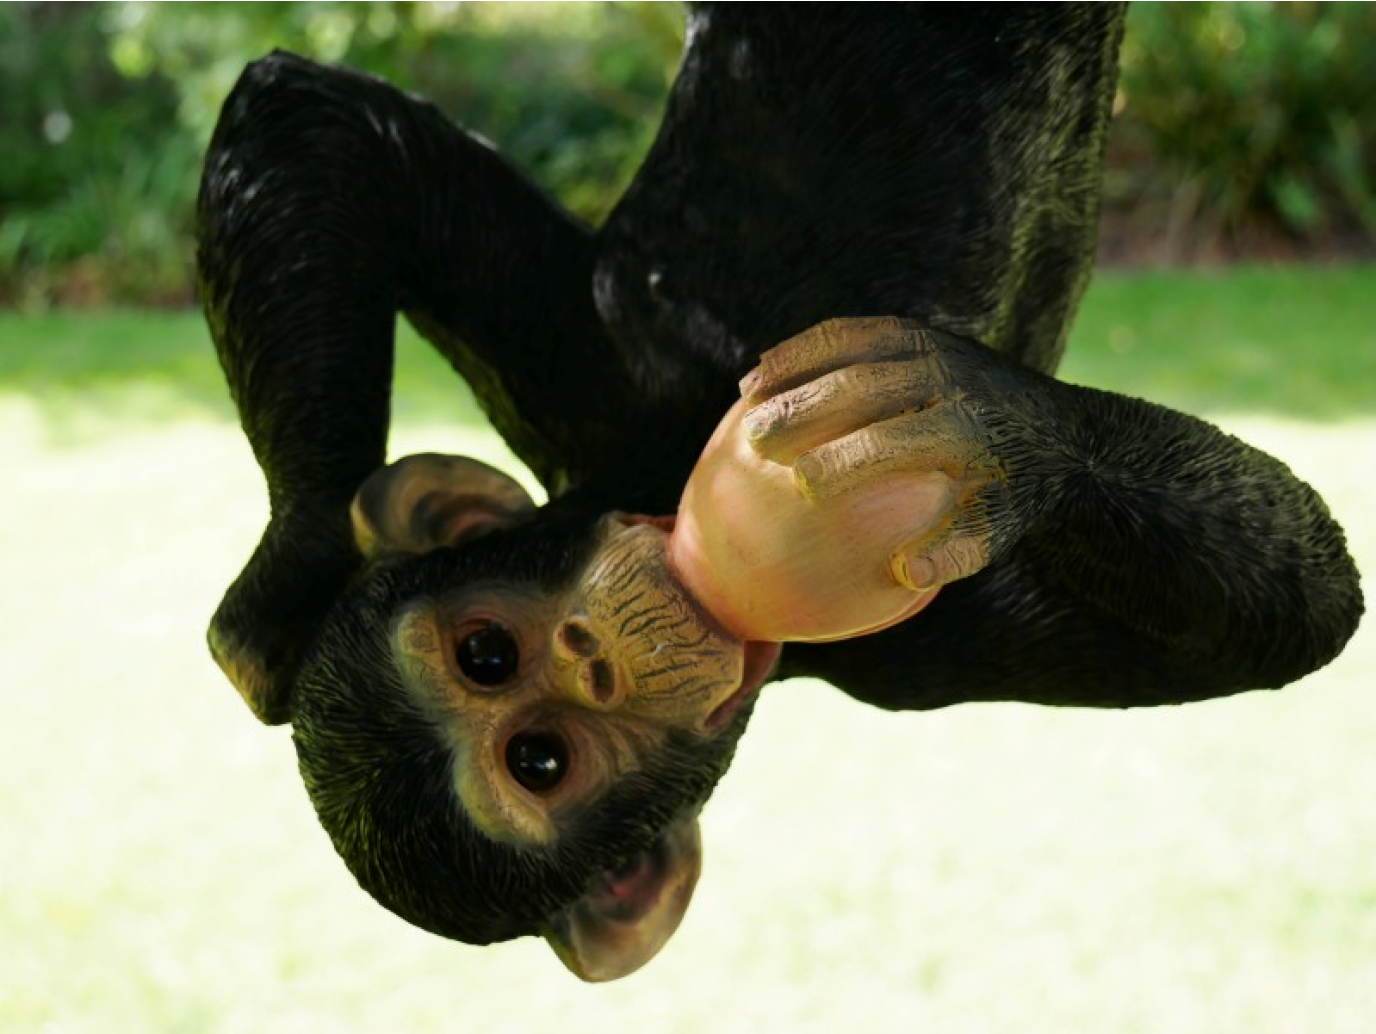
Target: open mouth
628	913
630	890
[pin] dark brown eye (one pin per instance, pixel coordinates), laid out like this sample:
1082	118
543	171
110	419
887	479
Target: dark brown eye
537	760
488	655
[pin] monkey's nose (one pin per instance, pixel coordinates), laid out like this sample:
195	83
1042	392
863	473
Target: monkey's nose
595	678
575	639
598	685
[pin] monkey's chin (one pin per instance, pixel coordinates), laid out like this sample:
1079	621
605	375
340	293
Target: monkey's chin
758	664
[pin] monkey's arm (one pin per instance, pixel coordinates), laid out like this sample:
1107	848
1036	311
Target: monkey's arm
1006	634
1126	553
329	202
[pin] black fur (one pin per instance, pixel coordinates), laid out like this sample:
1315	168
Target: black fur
815	161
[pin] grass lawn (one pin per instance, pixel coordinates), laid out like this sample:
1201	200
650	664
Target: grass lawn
1203	869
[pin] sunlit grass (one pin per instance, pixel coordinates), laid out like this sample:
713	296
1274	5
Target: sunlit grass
989	868
83	376
1301	342
1298	342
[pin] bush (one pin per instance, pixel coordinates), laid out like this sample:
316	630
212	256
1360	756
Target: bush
1244	118
1237	124
571	92
109	105
96	185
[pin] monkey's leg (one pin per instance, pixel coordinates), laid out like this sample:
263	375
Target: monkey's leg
329	202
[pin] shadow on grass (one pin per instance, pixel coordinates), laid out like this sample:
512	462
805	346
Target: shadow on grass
1289	342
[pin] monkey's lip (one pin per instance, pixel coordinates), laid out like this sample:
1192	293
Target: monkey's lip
759	661
630	520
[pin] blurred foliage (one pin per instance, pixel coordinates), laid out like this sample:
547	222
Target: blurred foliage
106	107
1235	122
95	188
572	92
1247	119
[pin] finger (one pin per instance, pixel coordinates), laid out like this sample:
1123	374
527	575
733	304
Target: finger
927	563
826	347
835	405
932	439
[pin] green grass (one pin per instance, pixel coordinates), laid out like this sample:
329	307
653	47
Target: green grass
1299	343
85	375
1204	869
1296	342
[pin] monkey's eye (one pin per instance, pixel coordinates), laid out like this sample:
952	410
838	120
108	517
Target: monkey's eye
488	655
537	760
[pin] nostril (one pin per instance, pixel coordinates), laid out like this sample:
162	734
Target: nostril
601	681
578	638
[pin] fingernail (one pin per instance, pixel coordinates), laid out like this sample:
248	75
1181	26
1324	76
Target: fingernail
756	424
915	573
750	382
807	471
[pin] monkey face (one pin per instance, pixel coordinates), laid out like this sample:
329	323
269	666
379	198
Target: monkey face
549	699
513	733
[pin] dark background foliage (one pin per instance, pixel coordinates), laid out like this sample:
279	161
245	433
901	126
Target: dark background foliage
1241	130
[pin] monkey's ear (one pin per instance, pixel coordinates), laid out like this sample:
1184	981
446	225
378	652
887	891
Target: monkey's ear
627	915
426	501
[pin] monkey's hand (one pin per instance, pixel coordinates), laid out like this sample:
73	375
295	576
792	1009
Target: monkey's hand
852	405
868	463
1207	552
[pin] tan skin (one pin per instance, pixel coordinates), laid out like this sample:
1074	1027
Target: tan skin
841	492
856	405
592	650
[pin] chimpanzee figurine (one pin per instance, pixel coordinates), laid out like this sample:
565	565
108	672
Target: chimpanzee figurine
508	716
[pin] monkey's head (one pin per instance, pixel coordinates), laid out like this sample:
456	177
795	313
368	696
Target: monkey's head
509	721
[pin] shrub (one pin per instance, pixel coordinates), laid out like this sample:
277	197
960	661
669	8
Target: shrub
96	184
1235	122
1244	116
